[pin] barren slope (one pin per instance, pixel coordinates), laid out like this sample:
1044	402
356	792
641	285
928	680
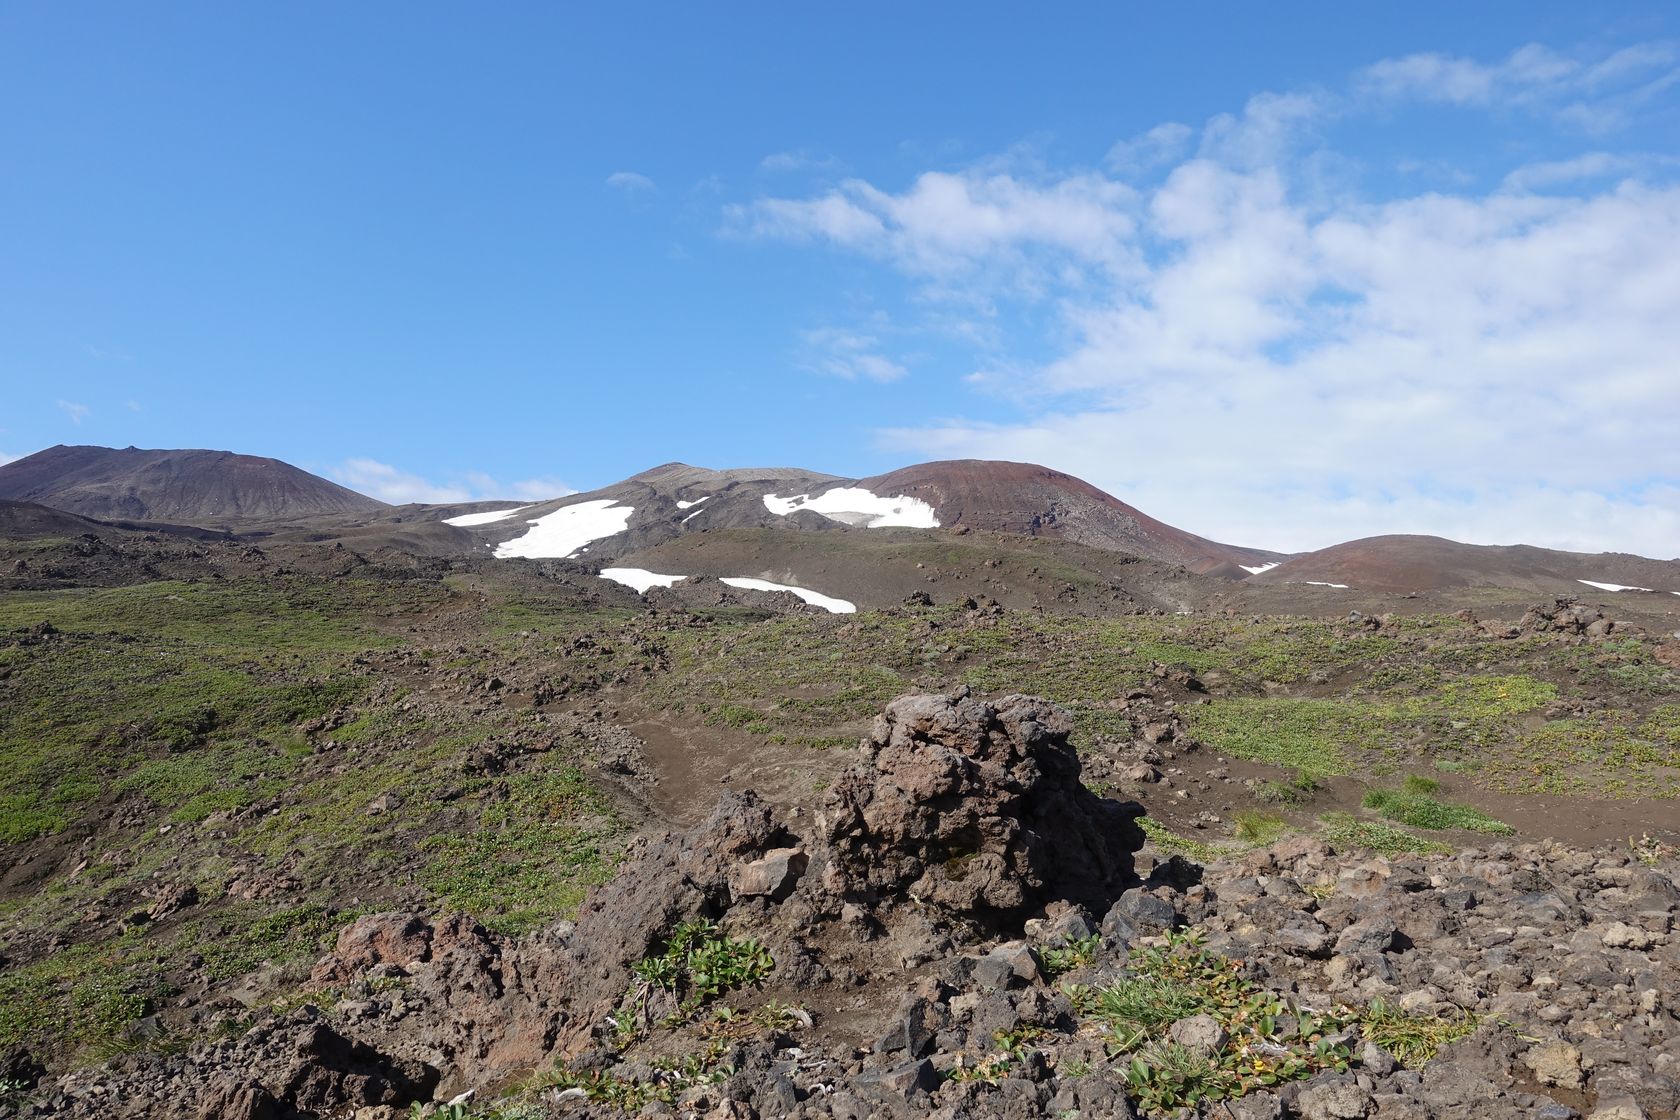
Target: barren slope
194	486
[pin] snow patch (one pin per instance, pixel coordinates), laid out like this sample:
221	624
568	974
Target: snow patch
686	505
568	529
1321	583
1614	586
639	578
853	505
468	519
827	603
1262	568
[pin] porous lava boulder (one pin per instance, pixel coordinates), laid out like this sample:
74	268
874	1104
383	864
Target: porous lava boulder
974	807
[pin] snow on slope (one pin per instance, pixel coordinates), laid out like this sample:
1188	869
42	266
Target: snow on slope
833	606
1613	586
469	519
639	578
568	529
1254	571
853	505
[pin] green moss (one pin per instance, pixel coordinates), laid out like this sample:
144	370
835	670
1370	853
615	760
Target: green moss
530	860
1311	736
1415	804
1169	841
1344	831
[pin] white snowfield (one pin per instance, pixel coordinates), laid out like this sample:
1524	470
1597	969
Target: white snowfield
641	579
469	519
1261	568
1615	586
565	531
827	603
853	505
686	505
1321	583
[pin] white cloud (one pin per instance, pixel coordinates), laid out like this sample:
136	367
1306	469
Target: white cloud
802	160
1594	94
5	458
1164	143
133	405
849	355
948	224
630	182
391	484
1257	359
76	412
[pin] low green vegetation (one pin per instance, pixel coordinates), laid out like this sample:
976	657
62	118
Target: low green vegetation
1345	831
699	964
1256	827
1292	792
536	850
1264	1039
1267	1040
1069	956
1415	803
1202	851
1412	1038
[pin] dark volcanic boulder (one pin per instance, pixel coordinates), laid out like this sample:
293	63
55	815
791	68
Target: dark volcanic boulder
975	807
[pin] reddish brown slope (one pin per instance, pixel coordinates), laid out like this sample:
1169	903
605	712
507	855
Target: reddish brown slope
1026	498
1415	563
191	486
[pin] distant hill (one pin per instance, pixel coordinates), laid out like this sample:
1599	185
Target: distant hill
1405	564
673	500
188	486
1038	501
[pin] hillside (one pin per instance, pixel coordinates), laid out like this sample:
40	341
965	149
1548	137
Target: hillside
196	487
676	500
1027	498
1419	563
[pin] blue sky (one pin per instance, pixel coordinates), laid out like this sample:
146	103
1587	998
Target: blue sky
1282	275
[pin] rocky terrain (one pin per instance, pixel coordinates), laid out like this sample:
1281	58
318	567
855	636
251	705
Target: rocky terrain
348	815
1037	965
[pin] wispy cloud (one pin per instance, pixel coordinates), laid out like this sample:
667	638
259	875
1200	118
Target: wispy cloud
392	484
76	412
801	160
5	458
631	182
1163	144
1596	93
849	355
1251	356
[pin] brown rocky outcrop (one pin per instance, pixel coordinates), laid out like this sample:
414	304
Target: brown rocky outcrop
976	808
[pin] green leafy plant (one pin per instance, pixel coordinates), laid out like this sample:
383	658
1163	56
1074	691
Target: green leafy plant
1077	953
1270	1040
699	964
